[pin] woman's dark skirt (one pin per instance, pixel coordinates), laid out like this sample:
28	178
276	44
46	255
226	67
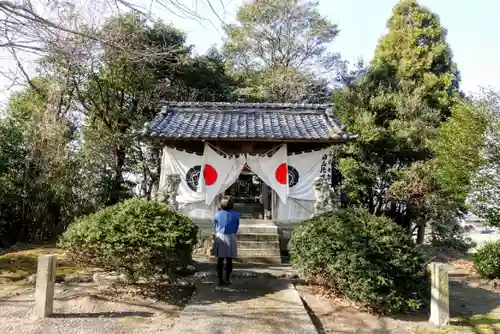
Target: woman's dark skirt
225	245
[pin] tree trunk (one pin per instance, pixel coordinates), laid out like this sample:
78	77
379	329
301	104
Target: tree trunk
420	231
118	182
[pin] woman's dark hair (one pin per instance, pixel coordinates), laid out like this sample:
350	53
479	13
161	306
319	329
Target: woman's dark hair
226	204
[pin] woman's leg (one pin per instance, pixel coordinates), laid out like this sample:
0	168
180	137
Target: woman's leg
229	268
220	268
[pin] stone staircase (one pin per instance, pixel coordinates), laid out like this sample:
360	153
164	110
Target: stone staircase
258	242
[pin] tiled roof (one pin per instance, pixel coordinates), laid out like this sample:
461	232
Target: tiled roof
245	121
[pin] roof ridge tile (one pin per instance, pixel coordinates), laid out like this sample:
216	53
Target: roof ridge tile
248	121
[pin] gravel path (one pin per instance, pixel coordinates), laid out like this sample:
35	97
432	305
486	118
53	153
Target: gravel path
250	305
469	296
85	308
338	317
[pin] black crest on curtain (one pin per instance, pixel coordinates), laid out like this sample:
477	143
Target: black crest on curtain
192	177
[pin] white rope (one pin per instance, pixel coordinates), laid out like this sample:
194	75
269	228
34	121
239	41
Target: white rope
219	150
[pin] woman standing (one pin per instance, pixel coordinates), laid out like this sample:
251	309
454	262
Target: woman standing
227	222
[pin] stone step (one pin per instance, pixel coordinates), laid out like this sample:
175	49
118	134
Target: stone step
256	222
257	228
257	237
264	245
258	252
261	260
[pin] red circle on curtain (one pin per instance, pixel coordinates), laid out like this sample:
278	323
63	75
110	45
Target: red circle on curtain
281	173
210	175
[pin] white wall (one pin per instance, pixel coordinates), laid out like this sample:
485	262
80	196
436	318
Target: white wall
294	210
198	210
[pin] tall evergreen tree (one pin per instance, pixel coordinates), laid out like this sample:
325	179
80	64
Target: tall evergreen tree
397	108
414	56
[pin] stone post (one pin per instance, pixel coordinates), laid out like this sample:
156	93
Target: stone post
326	200
440	296
319	187
44	291
172	190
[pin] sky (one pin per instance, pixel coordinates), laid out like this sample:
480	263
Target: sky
473	31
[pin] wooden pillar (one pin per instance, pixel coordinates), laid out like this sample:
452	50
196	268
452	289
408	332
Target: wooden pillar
274	211
265	199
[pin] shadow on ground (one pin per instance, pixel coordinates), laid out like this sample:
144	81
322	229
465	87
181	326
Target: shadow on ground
467	300
103	315
95	301
247	289
246	285
339	317
472	308
253	303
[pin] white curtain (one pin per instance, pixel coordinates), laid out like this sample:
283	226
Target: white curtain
294	210
233	174
307	167
217	170
189	165
272	171
198	210
184	164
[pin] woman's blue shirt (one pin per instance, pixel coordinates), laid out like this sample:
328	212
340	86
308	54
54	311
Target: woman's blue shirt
226	222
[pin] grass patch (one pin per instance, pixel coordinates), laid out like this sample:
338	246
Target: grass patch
133	319
479	323
16	266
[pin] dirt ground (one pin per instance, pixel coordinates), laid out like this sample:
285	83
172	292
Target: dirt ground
335	316
475	306
92	308
84	307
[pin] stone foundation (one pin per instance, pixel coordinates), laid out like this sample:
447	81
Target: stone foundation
205	245
206	230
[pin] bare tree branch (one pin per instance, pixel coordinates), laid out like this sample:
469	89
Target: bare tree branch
35	29
23	71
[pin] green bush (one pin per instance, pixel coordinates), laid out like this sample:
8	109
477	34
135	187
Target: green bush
137	237
487	260
449	233
368	259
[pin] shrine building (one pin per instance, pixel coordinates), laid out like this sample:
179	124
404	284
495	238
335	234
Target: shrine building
266	156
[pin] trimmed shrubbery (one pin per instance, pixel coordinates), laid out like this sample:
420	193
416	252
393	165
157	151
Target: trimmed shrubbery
137	237
368	259
487	260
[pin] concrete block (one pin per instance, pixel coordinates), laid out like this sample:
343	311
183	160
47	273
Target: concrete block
258	252
266	229
44	290
440	295
257	237
272	245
